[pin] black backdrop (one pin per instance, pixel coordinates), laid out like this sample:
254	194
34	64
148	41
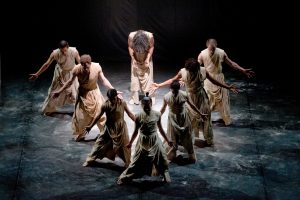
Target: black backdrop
249	31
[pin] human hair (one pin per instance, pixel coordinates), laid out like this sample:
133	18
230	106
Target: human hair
211	40
146	99
85	58
111	93
191	65
62	44
175	85
140	42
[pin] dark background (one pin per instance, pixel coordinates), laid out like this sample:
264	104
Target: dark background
255	34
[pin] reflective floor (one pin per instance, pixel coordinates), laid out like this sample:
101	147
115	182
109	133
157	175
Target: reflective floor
257	157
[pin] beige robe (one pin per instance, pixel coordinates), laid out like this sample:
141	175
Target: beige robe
218	96
197	96
89	100
62	73
115	137
141	76
179	123
149	149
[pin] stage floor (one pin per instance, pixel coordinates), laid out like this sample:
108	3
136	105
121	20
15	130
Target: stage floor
257	157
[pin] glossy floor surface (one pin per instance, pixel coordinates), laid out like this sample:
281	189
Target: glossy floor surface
257	157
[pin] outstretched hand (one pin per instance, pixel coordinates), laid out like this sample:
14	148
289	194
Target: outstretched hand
154	87
33	77
233	88
249	73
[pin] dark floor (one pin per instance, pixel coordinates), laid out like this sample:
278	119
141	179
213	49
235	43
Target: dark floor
257	157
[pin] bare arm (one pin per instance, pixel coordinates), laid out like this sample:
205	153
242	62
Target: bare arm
130	49
96	119
224	85
104	80
151	49
248	72
129	113
162	132
135	133
77	58
43	68
203	116
163	108
55	94
107	84
155	86
200	59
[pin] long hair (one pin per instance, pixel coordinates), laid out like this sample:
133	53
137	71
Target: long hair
140	42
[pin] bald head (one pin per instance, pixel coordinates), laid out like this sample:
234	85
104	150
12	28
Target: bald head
85	61
211	44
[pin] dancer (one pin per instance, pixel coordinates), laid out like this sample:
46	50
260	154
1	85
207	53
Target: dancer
193	77
65	58
90	99
149	149
179	123
140	47
212	59
115	137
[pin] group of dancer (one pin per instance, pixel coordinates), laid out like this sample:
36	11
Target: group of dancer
189	110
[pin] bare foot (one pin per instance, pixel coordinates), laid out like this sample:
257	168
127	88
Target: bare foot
87	163
167	178
79	138
120	182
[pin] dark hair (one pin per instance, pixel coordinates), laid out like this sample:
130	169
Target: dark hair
146	99
85	58
140	42
211	40
175	85
111	93
191	65
63	44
